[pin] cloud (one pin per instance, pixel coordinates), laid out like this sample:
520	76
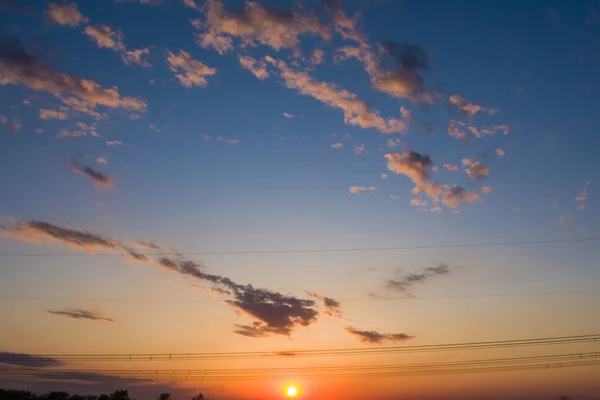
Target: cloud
414	165
394	197
406	113
105	37
276	28
14	126
102	160
358	189
469	109
451	167
2	119
374	337
288	115
84	130
486	189
359	149
563	219
500	152
457	195
333	308
136	57
337	145
258	68
44	232
418	202
66	14
18	67
394	143
81	315
272	312
189	71
404	282
384	176
222	44
115	143
477	171
60	114
28	360
97	177
581	198
317	56
454	130
356	111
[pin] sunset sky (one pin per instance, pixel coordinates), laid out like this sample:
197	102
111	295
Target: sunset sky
187	176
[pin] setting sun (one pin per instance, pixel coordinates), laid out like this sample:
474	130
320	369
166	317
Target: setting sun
291	391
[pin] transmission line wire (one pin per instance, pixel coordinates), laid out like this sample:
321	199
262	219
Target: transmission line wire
331	250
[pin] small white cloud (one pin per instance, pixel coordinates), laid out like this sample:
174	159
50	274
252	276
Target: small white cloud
384	176
358	189
337	145
288	115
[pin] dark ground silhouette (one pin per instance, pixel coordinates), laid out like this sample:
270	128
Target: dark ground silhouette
116	395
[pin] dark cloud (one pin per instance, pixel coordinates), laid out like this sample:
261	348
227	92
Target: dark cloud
410	57
28	360
44	232
333	308
374	337
97	177
457	195
402	283
273	312
81	314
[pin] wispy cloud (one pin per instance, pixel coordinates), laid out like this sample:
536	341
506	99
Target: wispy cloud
18	67
97	177
581	198
500	152
358	189
105	37
61	113
288	115
337	145
404	282
454	130
28	360
258	68
65	13
356	111
374	337
469	109
136	56
81	315
189	71
451	167
359	149
333	308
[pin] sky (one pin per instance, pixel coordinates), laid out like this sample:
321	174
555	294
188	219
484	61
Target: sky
187	176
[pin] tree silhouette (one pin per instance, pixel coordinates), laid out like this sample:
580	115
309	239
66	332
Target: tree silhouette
199	397
164	396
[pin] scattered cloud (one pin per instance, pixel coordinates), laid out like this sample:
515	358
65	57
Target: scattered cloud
500	152
469	109
222	44
477	171
61	113
115	143
581	198
412	164
394	197
384	176
451	167
97	177
317	56
564	219
356	111
486	189
189	71
394	142
14	126
359	149
288	115
403	282
102	160
337	145
136	57
406	113
18	67
258	68
358	189
454	130
418	202
105	37
374	337
276	28
2	119
457	195
81	315
66	13
333	308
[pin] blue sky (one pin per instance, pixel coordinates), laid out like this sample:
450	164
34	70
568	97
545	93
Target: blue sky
198	153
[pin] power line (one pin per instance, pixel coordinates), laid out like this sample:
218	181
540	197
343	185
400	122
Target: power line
468	366
11	358
335	250
124	300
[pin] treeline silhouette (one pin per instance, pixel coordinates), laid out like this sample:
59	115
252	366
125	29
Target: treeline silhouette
116	395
